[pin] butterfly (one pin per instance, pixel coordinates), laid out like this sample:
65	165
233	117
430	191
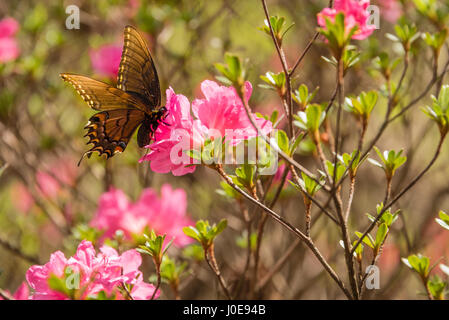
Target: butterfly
134	102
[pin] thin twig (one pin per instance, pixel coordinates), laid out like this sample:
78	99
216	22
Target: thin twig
400	194
289	227
209	255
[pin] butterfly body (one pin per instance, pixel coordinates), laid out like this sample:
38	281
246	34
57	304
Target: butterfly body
134	102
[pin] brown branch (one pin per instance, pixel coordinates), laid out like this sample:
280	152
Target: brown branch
17	251
289	227
279	264
283	60
209	256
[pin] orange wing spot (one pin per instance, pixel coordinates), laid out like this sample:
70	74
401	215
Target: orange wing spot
118	149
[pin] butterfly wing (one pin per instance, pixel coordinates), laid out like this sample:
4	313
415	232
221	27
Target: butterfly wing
101	96
110	131
121	113
137	74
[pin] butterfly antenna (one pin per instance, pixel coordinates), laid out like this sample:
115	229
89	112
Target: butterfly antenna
82	157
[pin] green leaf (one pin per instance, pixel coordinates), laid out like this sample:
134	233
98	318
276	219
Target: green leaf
340	170
282	140
204	233
381	234
192	233
57	284
194	154
436	287
368	240
311	119
443	220
221	226
358	250
310	185
391	160
420	264
245	175
232	70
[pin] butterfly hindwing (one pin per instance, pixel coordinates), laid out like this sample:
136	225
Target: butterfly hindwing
137	72
110	131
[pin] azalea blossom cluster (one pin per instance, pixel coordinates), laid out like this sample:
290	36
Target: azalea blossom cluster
356	15
89	275
220	114
166	214
9	49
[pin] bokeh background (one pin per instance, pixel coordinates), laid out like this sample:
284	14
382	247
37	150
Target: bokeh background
44	195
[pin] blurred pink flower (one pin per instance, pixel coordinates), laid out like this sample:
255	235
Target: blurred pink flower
61	172
166	214
21	198
220	114
8	27
65	170
105	60
47	185
280	171
133	8
390	10
356	14
22	292
390	258
104	272
9	49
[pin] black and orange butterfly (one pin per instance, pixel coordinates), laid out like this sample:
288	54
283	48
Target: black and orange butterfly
134	102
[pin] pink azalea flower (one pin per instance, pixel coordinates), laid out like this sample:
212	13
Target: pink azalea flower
356	14
390	10
165	214
222	110
9	49
105	60
22	293
220	114
105	272
166	154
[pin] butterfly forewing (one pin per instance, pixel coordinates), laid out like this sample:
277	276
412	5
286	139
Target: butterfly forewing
137	73
101	96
